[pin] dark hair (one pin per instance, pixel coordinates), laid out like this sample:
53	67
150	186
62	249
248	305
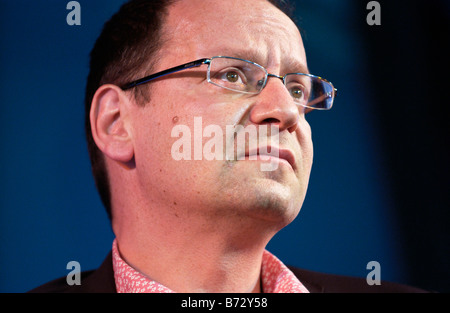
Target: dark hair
125	48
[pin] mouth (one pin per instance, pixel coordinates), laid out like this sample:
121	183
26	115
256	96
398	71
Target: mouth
270	153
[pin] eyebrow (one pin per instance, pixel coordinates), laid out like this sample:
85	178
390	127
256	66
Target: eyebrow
290	64
294	66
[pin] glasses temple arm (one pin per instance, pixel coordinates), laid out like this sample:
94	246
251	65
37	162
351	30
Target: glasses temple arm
175	69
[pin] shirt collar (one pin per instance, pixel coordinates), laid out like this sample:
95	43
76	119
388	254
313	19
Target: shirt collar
275	276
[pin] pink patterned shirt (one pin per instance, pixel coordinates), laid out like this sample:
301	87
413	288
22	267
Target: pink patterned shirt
275	276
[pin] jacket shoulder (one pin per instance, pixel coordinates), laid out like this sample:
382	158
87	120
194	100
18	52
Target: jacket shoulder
332	283
60	285
100	280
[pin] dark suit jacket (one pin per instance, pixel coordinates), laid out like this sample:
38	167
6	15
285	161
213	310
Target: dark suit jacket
102	281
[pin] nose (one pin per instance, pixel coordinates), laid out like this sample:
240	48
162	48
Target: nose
274	105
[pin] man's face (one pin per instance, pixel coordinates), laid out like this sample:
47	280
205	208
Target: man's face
253	30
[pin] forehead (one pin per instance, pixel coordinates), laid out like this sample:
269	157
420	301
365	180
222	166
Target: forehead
252	29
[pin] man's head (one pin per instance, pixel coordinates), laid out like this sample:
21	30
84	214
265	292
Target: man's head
133	128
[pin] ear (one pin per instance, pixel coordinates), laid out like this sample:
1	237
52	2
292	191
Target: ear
109	124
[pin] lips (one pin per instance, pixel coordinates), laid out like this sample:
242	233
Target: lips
265	153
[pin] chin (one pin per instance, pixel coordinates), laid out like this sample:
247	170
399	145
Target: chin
277	205
274	197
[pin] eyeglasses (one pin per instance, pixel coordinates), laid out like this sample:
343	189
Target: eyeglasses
244	76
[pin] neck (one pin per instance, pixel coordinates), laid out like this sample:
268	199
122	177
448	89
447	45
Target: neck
192	254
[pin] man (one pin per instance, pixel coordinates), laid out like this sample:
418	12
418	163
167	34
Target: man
200	223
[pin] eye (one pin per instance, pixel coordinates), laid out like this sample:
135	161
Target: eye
260	83
233	76
297	93
299	86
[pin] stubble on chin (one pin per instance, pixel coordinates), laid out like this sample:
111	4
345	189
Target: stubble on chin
267	196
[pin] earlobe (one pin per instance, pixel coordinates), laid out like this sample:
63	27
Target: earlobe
108	118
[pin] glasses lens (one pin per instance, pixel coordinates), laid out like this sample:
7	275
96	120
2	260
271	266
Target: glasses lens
310	91
236	74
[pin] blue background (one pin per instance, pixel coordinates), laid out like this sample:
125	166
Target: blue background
359	207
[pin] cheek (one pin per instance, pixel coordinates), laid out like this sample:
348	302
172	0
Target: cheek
304	138
152	126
